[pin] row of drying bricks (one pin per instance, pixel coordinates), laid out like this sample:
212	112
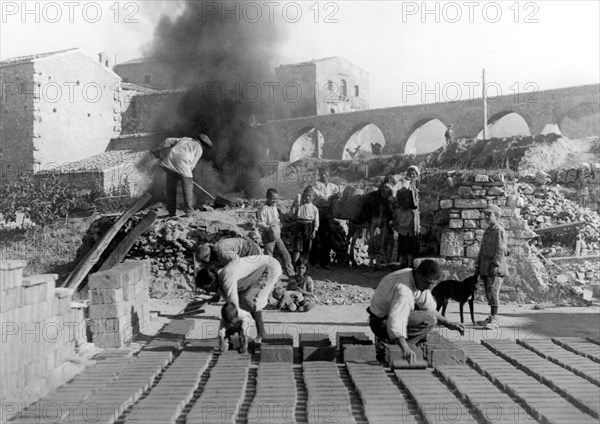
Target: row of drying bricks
543	389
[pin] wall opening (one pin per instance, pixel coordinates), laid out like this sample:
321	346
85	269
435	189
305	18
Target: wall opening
363	141
427	137
581	121
505	124
308	145
344	88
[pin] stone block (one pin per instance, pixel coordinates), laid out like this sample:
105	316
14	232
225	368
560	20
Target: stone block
115	339
470	203
111	310
510	212
318	353
469	235
276	353
359	353
105	296
496	191
472	251
110	325
455	223
451	244
11	298
446	203
471	223
482	178
314	339
11	273
454	215
470	214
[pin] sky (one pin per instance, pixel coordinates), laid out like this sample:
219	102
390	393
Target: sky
415	52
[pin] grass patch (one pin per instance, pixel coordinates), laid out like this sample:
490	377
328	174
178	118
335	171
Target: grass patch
47	251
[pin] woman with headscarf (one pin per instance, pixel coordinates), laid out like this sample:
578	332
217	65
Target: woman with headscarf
406	220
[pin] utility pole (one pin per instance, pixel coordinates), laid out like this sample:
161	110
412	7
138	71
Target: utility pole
484	106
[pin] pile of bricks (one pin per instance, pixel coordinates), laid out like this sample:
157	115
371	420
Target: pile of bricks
440	351
328	398
167	399
316	347
119	303
382	401
223	394
543	403
275	400
39	331
277	348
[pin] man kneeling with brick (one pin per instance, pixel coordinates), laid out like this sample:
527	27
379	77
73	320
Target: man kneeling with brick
392	314
247	283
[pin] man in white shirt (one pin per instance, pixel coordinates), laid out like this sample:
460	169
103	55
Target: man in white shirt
269	226
179	163
392	314
247	283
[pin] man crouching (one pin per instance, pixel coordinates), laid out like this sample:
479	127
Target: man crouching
234	321
392	314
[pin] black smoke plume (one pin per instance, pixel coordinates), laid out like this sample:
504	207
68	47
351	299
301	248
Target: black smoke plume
221	60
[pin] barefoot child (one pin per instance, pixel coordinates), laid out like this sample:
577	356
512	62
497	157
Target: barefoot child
307	224
303	282
234	321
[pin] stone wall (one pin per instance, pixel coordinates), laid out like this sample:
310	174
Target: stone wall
40	331
120	303
152	112
462	209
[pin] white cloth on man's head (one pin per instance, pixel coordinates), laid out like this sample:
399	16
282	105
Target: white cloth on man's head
395	297
238	276
183	157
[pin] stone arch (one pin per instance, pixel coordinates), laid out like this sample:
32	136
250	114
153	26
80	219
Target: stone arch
306	143
360	139
425	136
581	121
507	123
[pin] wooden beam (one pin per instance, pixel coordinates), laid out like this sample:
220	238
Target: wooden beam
125	245
89	260
563	228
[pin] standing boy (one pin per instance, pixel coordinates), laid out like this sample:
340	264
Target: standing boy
269	227
307	224
491	263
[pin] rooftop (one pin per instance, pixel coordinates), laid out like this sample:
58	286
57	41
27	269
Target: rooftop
30	58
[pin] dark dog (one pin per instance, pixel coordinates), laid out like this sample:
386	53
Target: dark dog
461	291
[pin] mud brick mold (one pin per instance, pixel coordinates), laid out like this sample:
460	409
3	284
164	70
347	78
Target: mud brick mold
277	353
318	353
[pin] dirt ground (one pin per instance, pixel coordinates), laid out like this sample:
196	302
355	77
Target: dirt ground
517	321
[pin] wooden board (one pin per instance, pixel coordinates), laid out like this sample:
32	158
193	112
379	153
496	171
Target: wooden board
560	229
89	260
123	248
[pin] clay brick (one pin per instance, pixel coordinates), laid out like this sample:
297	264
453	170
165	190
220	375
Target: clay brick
276	353
103	339
314	340
359	353
318	353
352	338
444	356
106	296
278	340
111	310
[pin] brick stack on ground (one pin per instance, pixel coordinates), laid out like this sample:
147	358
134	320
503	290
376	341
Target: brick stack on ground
120	303
40	331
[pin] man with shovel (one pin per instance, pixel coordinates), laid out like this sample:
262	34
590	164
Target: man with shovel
179	163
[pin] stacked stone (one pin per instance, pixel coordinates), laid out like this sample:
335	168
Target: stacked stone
120	303
586	174
316	347
223	394
275	399
441	351
328	398
467	223
39	331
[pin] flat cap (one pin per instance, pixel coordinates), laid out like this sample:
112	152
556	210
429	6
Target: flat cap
493	208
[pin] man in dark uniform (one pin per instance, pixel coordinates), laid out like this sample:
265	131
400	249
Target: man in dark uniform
491	263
